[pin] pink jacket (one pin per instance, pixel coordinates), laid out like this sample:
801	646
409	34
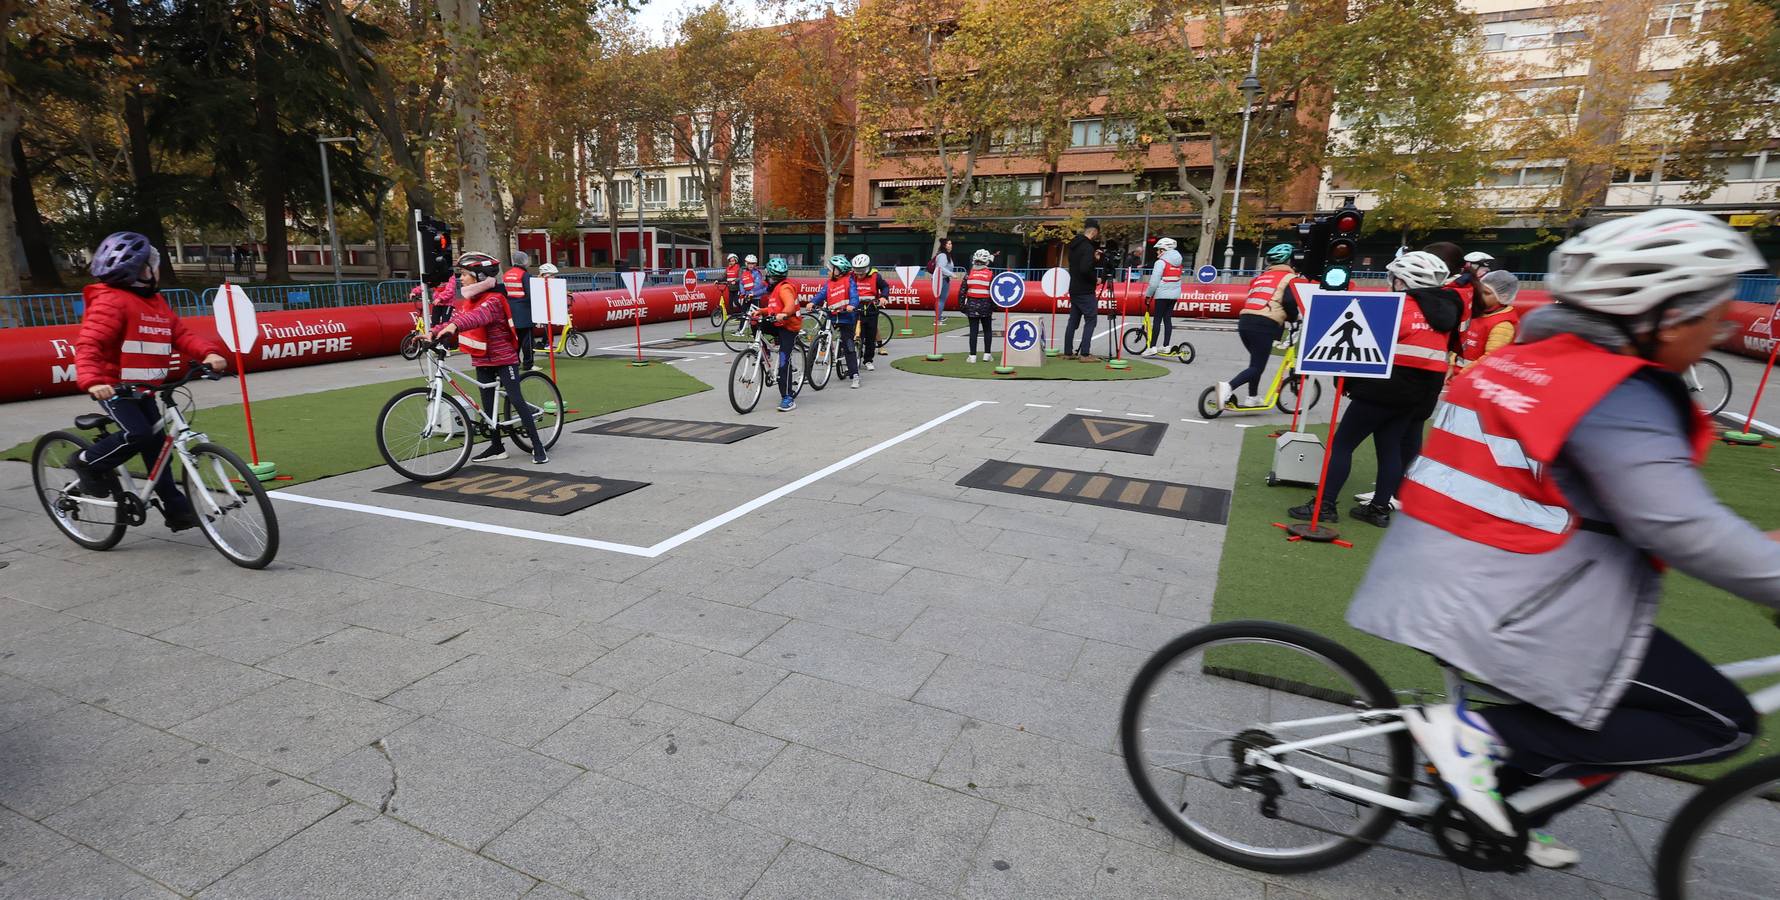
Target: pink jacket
488	311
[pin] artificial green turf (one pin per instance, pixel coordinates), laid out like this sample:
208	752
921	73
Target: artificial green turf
328	433
1263	576
1054	369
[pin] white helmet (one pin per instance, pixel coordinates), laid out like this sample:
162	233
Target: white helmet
1478	256
982	256
1419	269
861	262
731	257
1628	266
547	269
752	260
1163	245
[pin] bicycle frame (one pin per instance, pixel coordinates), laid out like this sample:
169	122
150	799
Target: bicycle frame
1387	721
178	436
439	373
1287	363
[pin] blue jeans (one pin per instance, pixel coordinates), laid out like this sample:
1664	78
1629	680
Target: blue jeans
939	297
787	339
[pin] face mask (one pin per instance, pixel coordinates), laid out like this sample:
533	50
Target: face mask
144	289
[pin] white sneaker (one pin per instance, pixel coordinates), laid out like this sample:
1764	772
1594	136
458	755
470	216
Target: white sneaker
1465	753
1365	498
1150	352
1225	392
870	368
971	358
1547	852
855	381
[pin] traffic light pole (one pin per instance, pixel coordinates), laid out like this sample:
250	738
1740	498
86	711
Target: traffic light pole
1251	88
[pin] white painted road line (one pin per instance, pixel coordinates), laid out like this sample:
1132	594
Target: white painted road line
661	547
1039	405
1198	421
1085	409
1140	415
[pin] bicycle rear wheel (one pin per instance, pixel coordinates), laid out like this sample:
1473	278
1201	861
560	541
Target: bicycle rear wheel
886	328
232	507
575	344
1199	707
1709	383
718	315
91	526
422	441
1288	394
737	334
746	379
411	346
819	360
1725	842
545	400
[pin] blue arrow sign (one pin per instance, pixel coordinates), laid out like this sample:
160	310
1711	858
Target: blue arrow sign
1022	335
1007	289
1208	273
1349	333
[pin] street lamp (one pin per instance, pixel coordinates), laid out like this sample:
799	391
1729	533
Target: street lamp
327	188
1251	90
642	264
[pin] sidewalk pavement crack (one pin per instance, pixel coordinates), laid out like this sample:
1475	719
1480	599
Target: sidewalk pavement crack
389	796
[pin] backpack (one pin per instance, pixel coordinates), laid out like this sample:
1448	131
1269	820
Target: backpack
933	264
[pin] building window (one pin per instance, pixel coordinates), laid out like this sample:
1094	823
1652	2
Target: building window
1080	190
624	193
596	201
1121	131
1634	176
655	191
1568	37
1739	168
1654	95
1087	133
1672	20
664	143
1494	40
1541	176
692	191
1017	139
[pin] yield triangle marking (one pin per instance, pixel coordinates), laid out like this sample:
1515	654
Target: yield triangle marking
1101	437
1348	340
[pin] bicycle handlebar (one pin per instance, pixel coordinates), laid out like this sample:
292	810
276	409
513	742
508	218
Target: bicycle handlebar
194	371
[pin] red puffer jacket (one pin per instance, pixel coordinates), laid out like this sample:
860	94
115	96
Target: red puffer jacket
488	311
124	337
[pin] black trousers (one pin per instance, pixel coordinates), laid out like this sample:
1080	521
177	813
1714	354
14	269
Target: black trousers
139	422
1389	429
524	336
1164	328
1258	334
1082	311
986	325
868	333
508	376
787	341
1678	710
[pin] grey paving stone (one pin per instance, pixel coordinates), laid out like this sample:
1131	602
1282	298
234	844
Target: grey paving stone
944	553
902	499
699	761
1027	856
856	723
606	734
499	699
575	595
881	616
50	582
970	595
849	658
639	662
1541	884
1107	668
1002	643
447	780
1090	618
1188	567
74	753
860	573
606	838
20	620
535	640
1190	604
24	843
357	853
194	819
717	685
250	633
802	872
1074	785
360	661
1032	522
145	606
714	626
401	610
1069	712
22	701
1647	795
1077	552
295	726
169	688
1104	584
1409	876
79	872
546	891
902	826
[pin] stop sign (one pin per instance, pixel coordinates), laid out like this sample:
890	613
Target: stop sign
691	279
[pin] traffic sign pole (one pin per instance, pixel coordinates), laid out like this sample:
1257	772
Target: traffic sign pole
264	471
1114	361
1007	313
1749	437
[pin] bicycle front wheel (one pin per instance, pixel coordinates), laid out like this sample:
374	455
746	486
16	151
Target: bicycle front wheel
1722	843
746	378
1208	403
88	524
886	328
545	401
718	315
1135	340
575	344
1709	383
411	346
819	360
232	507
1201	715
422	440
738	335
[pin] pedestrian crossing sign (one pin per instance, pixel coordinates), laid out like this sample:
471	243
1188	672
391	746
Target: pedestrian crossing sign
1350	334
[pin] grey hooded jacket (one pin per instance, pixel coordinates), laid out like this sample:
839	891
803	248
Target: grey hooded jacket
1157	287
1566	630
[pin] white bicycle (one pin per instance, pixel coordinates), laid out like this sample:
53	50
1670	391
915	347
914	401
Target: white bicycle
232	507
427	434
1276	749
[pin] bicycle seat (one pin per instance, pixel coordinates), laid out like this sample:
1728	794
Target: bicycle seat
89	421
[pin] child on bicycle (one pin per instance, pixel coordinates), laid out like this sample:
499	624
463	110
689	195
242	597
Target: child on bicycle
840	299
1163	290
979	310
129	333
1559	471
753	284
779	317
485	332
871	287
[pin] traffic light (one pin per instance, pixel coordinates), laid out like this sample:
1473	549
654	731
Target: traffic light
433	237
1313	237
1342	235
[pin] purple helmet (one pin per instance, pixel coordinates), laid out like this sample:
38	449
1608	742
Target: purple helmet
122	256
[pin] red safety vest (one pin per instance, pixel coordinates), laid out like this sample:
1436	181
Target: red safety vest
513	280
1477	333
1419	346
1265	289
474	341
976	284
748	280
730	273
783	299
1170	273
839	293
867	287
146	353
1484	472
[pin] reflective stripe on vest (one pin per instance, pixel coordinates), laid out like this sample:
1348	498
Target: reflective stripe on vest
1419	346
730	273
747	279
839	293
161	348
1265	289
1487	498
977	283
146	352
513	280
1170	273
129	373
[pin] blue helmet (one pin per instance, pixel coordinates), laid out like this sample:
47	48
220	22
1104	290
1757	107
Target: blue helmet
121	258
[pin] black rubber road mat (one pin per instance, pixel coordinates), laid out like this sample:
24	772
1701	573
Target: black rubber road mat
550	493
1160	498
1104	433
678	430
